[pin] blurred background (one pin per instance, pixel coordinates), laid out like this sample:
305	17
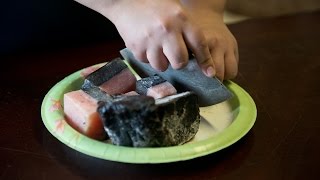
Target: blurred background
37	25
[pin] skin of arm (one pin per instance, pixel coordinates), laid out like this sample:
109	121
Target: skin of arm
162	32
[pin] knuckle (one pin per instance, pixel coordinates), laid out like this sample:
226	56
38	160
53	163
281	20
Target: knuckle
202	43
147	35
221	42
180	14
206	61
164	25
213	41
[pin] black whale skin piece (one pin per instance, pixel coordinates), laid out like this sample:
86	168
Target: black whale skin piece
139	121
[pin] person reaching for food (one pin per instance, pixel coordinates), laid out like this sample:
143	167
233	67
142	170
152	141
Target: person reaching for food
164	32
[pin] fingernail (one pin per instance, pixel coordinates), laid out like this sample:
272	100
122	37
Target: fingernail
210	71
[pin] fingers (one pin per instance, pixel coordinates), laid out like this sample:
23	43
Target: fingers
231	65
140	55
218	60
175	50
153	55
157	59
197	42
226	62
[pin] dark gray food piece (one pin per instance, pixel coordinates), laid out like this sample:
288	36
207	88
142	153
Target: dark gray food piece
144	84
106	72
95	79
138	121
210	91
95	92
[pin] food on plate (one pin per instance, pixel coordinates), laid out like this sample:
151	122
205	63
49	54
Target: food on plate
144	113
131	93
155	86
80	109
142	121
112	78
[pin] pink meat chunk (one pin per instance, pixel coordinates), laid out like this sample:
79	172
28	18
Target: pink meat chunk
161	90
131	93
81	113
121	83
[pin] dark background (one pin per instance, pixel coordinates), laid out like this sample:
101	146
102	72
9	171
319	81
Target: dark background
37	25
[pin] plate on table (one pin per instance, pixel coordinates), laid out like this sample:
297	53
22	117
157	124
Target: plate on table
221	125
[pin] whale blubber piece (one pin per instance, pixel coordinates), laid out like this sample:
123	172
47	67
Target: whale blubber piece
112	78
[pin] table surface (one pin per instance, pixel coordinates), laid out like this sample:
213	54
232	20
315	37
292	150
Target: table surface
279	68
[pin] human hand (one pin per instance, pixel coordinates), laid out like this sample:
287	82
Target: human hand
161	32
221	42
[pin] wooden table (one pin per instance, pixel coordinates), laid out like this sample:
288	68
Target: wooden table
279	67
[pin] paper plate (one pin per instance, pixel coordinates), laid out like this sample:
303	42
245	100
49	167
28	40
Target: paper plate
221	125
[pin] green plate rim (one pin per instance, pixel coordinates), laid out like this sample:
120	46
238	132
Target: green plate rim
52	117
